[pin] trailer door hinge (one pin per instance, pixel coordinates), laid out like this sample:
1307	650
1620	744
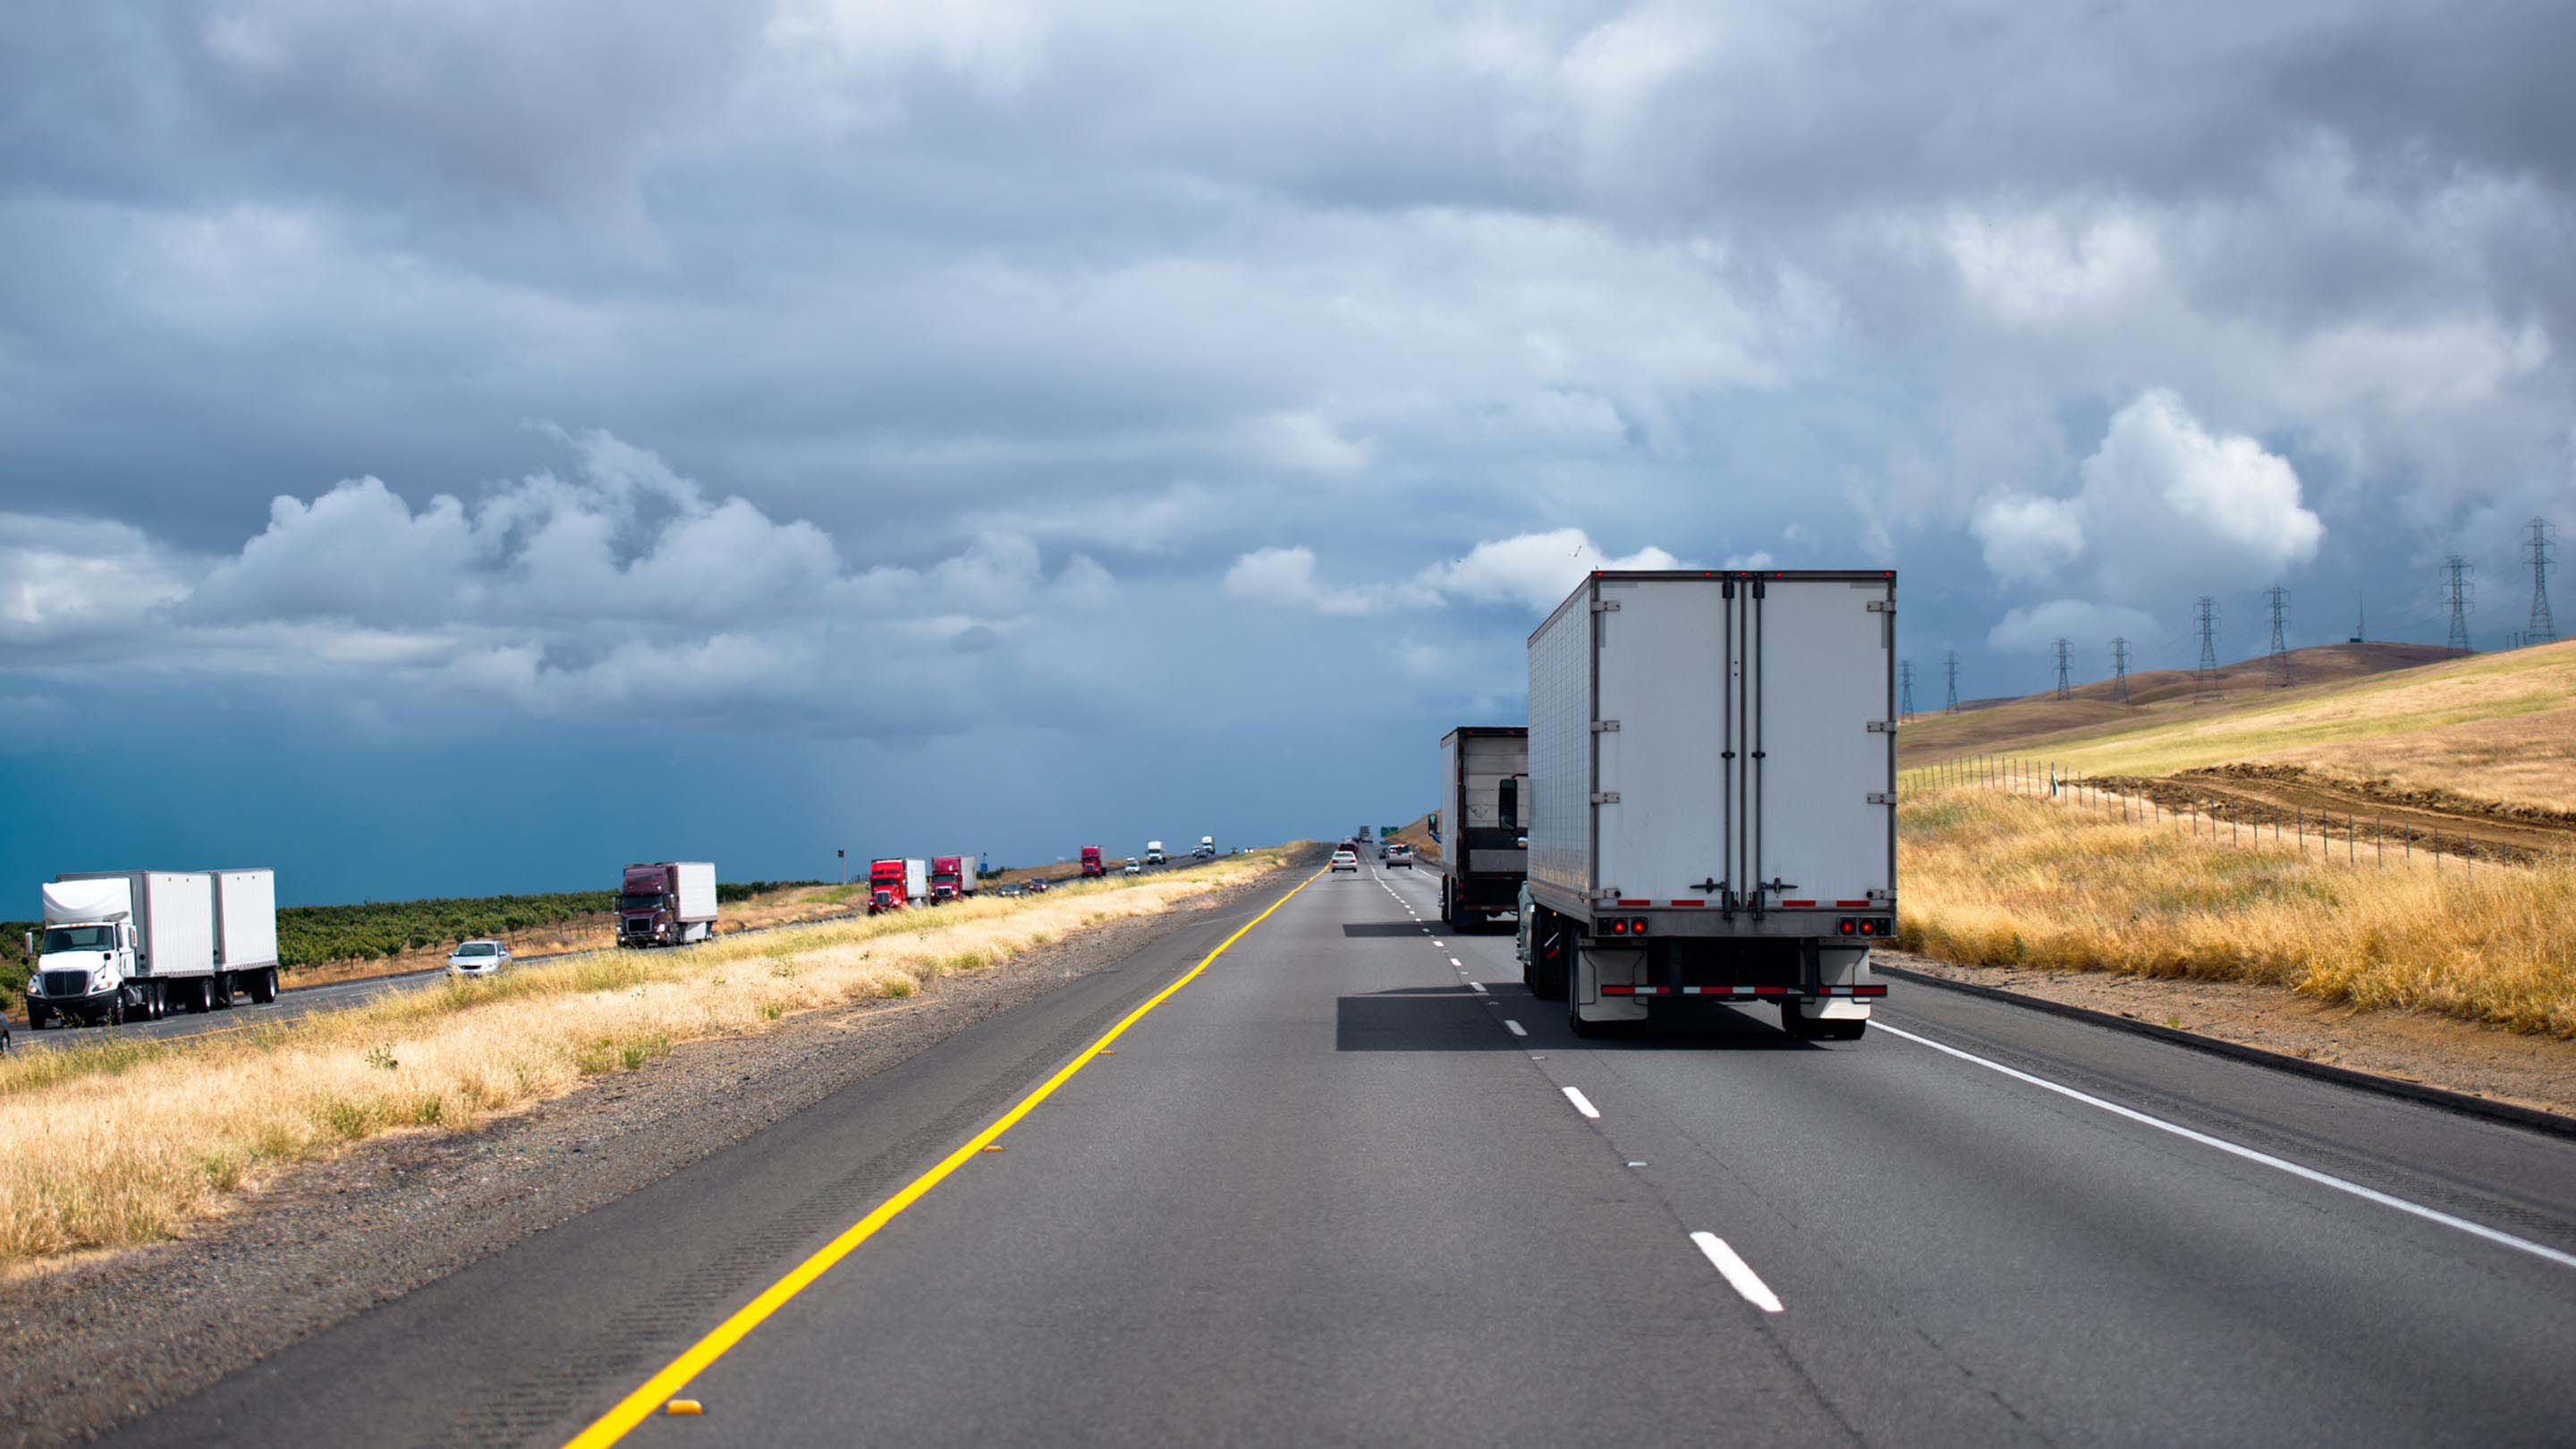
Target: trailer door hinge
1605	727
1882	606
1605	797
1882	726
1605	606
1882	797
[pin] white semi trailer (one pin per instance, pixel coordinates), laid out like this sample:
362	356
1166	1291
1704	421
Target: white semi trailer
1712	762
1484	781
137	944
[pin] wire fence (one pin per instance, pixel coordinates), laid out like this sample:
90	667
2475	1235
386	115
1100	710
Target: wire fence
2346	837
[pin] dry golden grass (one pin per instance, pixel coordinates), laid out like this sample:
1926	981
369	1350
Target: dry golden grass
125	1142
2498	727
1991	878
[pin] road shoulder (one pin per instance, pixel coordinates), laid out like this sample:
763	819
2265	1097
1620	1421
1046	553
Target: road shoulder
328	1241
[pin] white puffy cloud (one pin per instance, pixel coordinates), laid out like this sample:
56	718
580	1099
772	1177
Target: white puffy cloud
66	576
1285	578
1533	569
2026	537
2087	625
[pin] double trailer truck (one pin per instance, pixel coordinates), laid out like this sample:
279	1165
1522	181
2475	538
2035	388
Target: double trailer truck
666	903
1484	782
138	944
952	878
1712	762
896	883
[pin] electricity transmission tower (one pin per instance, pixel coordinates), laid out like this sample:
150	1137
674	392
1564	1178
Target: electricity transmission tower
2061	645
2120	671
2278	665
2543	630
1905	706
2455	580
2204	617
1950	664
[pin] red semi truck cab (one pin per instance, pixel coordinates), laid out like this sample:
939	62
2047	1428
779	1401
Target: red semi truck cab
885	886
947	878
1091	865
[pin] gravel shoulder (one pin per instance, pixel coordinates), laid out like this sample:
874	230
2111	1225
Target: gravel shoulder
2529	1071
91	1342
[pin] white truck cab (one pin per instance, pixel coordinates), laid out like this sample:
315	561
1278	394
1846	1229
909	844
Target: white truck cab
1153	852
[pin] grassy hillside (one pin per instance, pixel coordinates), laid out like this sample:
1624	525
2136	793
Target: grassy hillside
2390	838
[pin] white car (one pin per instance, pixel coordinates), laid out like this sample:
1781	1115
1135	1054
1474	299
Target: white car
1133	869
477	958
1346	860
1399	855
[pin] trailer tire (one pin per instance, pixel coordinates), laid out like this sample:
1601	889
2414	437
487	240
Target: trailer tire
263	986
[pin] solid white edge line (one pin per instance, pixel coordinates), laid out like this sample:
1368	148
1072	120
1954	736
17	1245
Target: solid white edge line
1582	1103
2322	1179
1515	1026
1738	1273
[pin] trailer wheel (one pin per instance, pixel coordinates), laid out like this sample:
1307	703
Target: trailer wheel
263	987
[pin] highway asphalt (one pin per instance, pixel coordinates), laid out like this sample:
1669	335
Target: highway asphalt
1352	1184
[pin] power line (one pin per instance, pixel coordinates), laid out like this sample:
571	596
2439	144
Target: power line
2120	670
2061	645
2456	584
1950	663
2544	629
2204	617
2278	662
1905	706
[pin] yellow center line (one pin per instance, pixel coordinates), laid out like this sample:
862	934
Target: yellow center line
640	1405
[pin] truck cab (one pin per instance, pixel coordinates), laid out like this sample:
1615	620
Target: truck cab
1091	864
1153	852
82	968
947	878
886	886
1207	848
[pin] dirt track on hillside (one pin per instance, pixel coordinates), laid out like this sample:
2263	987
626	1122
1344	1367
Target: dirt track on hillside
2298	802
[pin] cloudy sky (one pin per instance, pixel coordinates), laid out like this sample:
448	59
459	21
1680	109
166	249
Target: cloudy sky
460	446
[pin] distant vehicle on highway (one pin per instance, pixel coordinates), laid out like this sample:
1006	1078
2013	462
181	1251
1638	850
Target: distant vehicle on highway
666	903
1039	886
1207	848
1484	789
1091	863
1400	855
1009	891
1133	868
897	882
477	958
952	878
132	945
1153	852
1346	859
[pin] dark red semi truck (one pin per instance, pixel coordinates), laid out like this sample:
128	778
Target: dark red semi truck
1091	865
666	903
952	878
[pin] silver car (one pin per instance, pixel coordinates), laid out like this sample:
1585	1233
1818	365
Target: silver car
1346	860
477	958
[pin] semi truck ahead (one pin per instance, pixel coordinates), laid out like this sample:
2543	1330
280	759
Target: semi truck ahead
1091	862
952	878
1713	795
666	903
1484	785
1207	848
137	944
896	883
1153	852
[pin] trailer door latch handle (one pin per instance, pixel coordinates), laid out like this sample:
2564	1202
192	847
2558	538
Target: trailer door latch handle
1605	797
1882	726
1882	797
1605	606
1605	727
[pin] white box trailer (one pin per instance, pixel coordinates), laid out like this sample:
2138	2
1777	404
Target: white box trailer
1484	783
245	921
1713	778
